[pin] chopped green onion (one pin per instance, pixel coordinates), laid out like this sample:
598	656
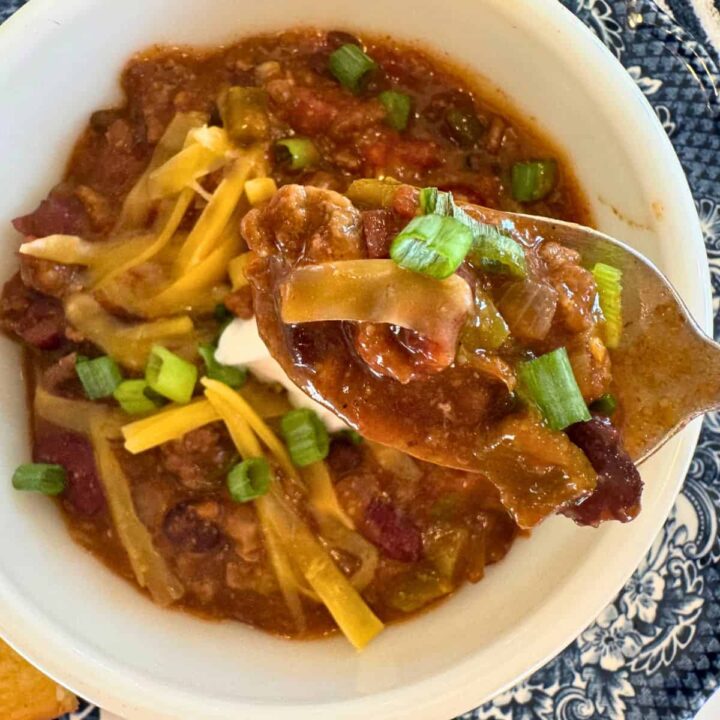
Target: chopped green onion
352	436
491	249
305	436
494	251
397	106
432	245
244	114
605	405
464	127
550	383
170	375
350	65
534	180
40	477
434	202
609	284
428	200
133	397
99	376
249	479
296	153
439	202
233	376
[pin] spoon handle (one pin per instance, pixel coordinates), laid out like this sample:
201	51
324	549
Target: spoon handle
670	373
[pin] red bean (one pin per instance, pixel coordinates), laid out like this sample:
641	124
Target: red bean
84	492
619	485
394	533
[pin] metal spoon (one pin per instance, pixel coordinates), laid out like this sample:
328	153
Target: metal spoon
667	367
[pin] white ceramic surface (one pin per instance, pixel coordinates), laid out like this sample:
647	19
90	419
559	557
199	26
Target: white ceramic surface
59	61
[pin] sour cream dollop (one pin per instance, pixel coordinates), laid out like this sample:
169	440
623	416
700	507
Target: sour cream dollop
241	345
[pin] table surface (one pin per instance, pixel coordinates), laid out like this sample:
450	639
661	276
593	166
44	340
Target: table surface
671	605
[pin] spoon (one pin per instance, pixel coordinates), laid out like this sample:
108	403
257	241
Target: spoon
661	366
668	367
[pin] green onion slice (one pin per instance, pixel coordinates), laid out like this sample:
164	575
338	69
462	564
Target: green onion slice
549	382
305	436
233	376
132	395
605	405
99	376
170	376
492	250
609	284
40	477
297	153
351	66
428	200
249	479
433	245
435	202
397	106
534	180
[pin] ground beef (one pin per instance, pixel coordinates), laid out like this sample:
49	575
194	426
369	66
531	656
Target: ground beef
574	284
97	208
50	278
400	157
200	458
305	223
188	527
241	525
329	111
36	319
239	303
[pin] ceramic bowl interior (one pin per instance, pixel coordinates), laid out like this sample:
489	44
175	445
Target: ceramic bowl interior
90	629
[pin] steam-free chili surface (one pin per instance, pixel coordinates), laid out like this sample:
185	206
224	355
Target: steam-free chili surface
411	511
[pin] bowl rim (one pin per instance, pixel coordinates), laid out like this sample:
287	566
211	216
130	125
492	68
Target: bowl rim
109	684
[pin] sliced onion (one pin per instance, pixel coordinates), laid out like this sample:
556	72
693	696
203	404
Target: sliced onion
529	308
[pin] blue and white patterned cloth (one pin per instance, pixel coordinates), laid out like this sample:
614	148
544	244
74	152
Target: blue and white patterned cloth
654	653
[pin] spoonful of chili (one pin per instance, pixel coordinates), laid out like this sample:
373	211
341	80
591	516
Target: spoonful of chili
474	338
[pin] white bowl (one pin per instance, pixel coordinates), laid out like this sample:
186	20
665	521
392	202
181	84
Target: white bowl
94	633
